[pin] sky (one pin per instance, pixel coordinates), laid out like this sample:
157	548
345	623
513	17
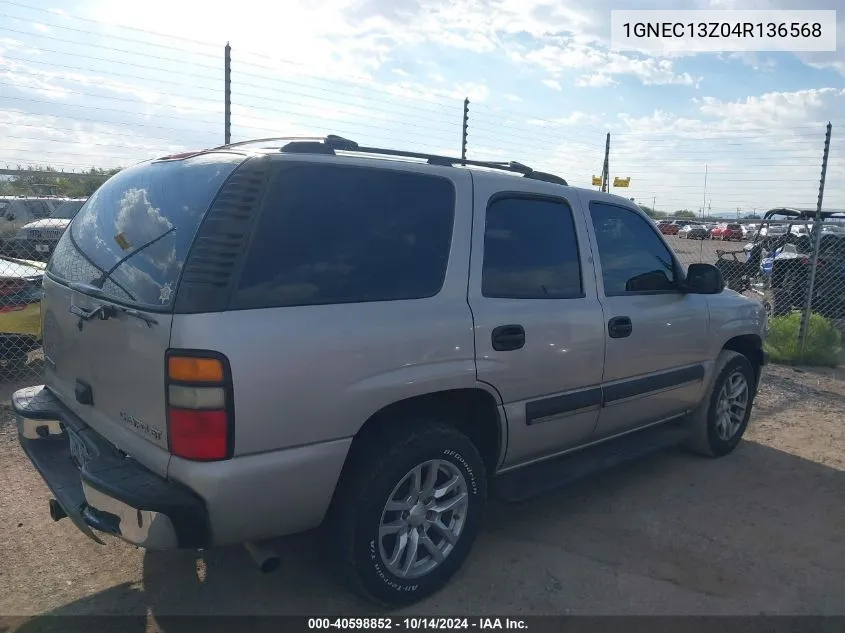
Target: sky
103	83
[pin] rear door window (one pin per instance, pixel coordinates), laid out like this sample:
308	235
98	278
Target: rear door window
335	234
133	234
530	250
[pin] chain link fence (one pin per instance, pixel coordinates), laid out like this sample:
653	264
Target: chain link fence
792	263
30	227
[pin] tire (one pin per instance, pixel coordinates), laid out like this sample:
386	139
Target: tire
381	473
709	435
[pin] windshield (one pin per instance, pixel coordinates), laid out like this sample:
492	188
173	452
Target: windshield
132	236
67	210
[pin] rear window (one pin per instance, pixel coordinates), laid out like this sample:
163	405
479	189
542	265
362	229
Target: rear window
138	227
332	234
734	227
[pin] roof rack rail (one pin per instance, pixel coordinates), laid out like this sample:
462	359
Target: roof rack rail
331	139
332	144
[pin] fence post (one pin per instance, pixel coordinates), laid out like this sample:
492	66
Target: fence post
227	94
605	170
817	238
464	128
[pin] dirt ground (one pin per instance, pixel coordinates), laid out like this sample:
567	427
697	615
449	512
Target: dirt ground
757	532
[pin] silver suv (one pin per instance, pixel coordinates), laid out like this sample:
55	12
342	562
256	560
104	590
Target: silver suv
265	338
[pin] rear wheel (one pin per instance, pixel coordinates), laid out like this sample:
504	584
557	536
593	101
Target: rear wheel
408	512
720	421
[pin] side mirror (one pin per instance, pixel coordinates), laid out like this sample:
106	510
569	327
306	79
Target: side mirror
703	279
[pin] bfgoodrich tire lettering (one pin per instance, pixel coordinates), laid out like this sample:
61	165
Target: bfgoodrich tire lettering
711	434
374	486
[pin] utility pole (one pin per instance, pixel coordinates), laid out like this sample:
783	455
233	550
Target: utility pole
227	94
654	203
464	129
605	170
704	197
814	261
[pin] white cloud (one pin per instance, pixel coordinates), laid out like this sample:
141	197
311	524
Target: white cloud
595	80
776	109
558	58
760	152
554	84
571	119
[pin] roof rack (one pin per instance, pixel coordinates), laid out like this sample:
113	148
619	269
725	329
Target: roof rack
332	144
803	214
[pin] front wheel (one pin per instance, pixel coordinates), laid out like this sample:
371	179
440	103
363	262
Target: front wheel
721	419
409	512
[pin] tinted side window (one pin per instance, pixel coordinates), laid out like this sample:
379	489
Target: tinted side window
633	258
530	250
330	234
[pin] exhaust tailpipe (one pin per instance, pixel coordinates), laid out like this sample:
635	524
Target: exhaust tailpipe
57	512
266	559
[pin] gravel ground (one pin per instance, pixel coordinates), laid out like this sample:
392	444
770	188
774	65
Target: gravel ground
757	532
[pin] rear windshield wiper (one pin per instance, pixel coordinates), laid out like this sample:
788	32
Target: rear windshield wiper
101	280
104	311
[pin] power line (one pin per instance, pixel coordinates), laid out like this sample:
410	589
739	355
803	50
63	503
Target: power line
368	106
181	50
121	75
78	142
76	105
99	23
110	98
109	48
78	130
100	121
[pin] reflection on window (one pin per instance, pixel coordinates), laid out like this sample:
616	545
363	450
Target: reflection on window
632	257
530	251
139	226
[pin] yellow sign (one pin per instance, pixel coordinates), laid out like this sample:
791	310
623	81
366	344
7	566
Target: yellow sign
596	181
622	182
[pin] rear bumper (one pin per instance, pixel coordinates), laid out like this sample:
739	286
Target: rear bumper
107	492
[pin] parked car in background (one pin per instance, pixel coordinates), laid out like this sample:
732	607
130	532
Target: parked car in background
716	231
20	311
772	230
669	227
694	232
728	232
16	211
37	240
836	230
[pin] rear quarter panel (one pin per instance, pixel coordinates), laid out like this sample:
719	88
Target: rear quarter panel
310	374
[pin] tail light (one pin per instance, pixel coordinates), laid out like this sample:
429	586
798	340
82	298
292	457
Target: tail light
200	411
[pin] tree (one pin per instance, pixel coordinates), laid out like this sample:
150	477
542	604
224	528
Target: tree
751	216
654	215
63	184
684	214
